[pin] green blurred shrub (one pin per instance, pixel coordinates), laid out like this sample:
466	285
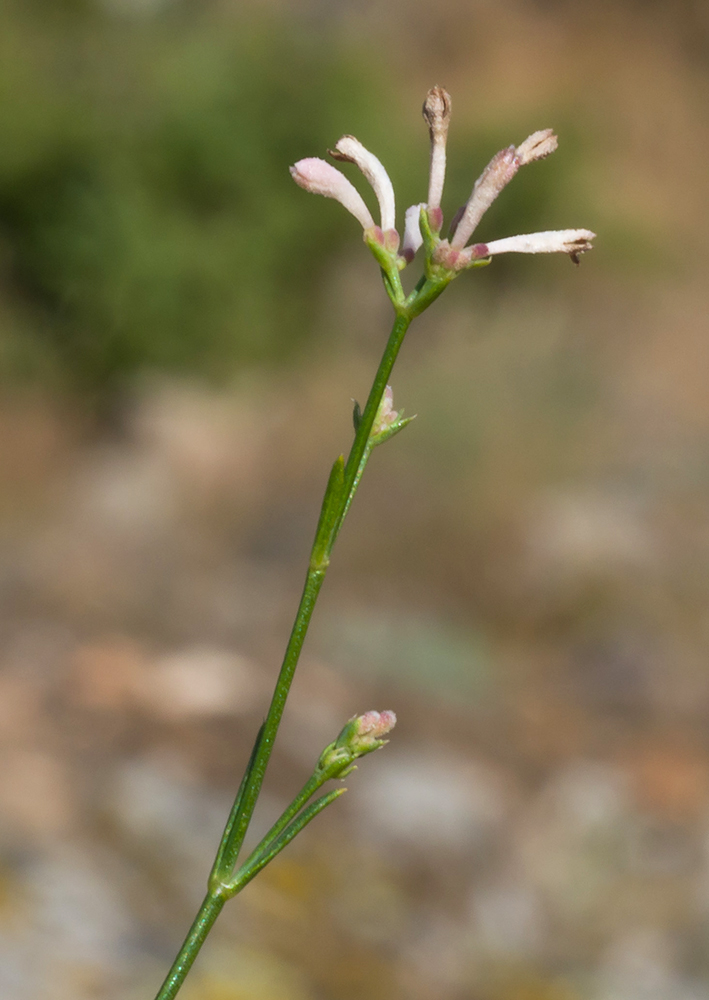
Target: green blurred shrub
147	217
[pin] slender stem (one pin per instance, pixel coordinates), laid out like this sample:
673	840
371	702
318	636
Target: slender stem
313	583
314	580
354	466
219	888
203	923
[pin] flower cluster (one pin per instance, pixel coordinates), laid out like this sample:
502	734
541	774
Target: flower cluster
455	253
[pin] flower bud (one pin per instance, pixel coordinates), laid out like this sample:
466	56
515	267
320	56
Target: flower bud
360	736
364	733
386	414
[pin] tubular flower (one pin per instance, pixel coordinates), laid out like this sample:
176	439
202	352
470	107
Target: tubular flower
571	241
437	112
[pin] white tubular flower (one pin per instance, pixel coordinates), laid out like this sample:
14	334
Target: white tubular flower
320	177
351	150
570	241
496	175
437	112
412	232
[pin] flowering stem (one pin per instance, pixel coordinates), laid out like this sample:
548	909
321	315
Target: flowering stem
444	260
341	488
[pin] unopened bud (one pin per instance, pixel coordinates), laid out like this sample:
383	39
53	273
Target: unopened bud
364	733
386	414
361	735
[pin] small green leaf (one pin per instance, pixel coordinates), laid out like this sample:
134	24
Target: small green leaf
329	514
229	848
389	432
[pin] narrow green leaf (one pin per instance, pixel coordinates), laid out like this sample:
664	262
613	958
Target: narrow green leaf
228	850
329	513
389	432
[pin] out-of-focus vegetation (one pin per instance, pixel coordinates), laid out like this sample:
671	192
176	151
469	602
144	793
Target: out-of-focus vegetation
146	211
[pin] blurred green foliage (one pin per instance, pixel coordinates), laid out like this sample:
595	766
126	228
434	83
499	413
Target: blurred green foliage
147	217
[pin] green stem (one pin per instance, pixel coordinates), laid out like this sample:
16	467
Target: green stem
314	581
203	923
240	817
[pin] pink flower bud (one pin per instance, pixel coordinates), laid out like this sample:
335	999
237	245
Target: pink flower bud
361	736
364	733
320	177
386	414
371	727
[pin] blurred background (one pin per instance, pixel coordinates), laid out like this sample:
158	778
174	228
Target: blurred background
524	576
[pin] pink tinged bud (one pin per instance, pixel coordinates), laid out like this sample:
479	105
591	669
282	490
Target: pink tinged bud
361	736
412	232
437	112
320	177
386	414
537	146
391	240
351	150
571	241
496	175
446	256
435	219
372	726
